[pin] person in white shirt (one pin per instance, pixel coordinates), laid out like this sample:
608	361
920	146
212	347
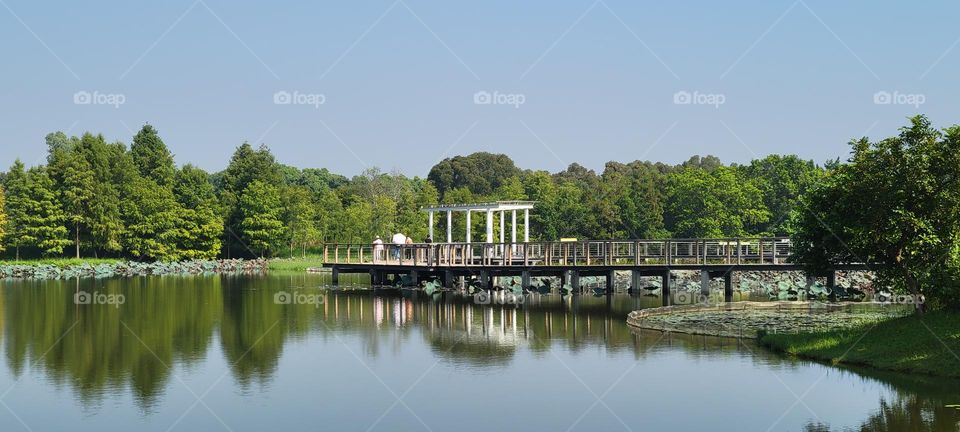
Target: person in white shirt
377	250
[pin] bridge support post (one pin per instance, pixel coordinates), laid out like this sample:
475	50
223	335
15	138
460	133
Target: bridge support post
414	278
525	279
485	281
447	279
636	281
728	286
665	289
574	281
335	276
704	284
832	284
611	281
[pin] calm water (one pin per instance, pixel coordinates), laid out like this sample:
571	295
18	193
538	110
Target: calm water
219	353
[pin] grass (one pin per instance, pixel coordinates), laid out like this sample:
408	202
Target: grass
928	344
62	262
295	263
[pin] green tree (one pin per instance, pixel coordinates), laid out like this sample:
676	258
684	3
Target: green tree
152	157
201	225
73	177
44	220
3	220
482	173
298	217
718	203
152	222
246	166
261	226
782	180
16	188
895	205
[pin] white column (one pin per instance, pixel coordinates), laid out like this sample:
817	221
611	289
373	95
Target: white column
526	225
449	226
513	227
468	226
431	225
489	226
502	225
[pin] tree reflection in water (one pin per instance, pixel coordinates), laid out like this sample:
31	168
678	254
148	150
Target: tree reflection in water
173	322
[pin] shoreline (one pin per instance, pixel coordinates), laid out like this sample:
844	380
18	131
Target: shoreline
73	268
927	345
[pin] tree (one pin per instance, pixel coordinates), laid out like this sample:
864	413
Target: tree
261	227
3	219
481	172
718	203
895	206
43	223
152	157
15	186
73	177
152	222
782	180
201	225
246	166
298	217
112	171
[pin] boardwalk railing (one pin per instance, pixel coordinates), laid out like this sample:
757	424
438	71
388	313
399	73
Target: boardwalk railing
723	251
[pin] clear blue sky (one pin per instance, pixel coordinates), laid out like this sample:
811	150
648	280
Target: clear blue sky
598	79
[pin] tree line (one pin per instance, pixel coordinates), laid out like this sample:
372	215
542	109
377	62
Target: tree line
893	204
94	198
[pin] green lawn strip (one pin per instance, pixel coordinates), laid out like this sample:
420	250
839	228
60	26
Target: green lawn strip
929	345
295	264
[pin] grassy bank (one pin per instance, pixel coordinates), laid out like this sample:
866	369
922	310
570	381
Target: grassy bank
295	264
928	345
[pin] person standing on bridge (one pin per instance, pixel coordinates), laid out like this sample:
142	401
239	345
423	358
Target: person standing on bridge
398	240
377	250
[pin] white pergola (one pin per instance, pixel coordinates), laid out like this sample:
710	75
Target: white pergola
489	208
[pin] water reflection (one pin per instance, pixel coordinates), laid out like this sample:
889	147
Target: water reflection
171	322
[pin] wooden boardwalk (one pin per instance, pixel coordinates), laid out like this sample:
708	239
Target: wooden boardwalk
772	251
447	262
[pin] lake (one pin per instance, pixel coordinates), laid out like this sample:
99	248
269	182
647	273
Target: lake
285	352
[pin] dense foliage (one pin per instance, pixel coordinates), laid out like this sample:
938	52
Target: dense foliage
894	205
98	199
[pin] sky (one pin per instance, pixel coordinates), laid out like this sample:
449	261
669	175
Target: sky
401	84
